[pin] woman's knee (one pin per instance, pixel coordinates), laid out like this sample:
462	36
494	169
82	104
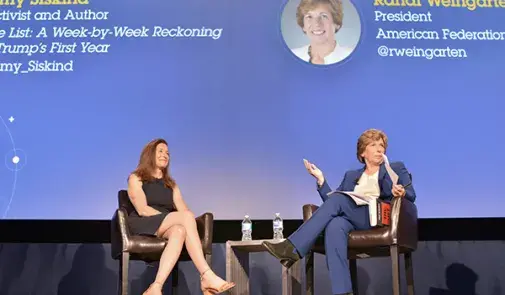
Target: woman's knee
182	218
179	231
338	225
175	231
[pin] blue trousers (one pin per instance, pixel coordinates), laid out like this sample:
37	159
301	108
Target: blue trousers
337	216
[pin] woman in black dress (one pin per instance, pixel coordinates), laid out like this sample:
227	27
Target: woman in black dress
160	210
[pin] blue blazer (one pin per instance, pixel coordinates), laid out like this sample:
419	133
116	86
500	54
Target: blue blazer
351	178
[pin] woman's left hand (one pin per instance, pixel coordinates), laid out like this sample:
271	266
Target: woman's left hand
398	191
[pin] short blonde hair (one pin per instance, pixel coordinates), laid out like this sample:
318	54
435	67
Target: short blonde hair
367	138
335	6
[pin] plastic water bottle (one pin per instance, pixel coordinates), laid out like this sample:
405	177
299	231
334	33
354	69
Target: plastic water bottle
246	229
278	227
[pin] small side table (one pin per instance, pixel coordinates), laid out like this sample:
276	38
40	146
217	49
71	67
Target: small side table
237	268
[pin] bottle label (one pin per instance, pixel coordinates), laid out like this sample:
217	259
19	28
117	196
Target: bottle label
246	226
277	224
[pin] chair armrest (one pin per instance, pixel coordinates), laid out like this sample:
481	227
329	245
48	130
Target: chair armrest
308	210
403	228
120	233
205	226
404	223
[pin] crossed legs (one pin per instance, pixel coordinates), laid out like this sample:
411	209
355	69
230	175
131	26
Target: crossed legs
176	235
179	226
336	217
306	235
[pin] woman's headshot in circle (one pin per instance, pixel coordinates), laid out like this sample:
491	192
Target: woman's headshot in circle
320	20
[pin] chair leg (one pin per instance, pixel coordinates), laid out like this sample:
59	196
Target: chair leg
409	272
353	268
208	258
175	278
309	273
396	269
124	262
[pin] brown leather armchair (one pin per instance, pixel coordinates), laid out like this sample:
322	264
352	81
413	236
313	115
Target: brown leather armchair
126	247
400	237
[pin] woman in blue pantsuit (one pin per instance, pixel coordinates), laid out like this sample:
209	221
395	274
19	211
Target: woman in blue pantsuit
339	214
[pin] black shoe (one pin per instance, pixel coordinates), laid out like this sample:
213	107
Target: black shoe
284	251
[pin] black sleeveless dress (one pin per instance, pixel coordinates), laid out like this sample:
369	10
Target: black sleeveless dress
160	198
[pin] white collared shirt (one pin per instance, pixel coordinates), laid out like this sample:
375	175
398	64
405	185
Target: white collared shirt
368	185
338	54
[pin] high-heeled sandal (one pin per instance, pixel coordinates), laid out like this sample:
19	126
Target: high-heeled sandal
212	291
154	283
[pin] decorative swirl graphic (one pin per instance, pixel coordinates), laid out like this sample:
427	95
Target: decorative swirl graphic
15	160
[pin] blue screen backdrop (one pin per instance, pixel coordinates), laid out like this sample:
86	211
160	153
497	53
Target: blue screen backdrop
240	111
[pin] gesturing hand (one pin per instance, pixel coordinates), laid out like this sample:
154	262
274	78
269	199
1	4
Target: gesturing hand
314	171
398	191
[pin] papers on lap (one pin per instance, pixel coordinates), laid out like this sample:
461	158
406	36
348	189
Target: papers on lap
392	174
379	212
358	198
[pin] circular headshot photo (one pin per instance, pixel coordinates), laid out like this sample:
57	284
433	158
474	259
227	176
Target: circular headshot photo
321	32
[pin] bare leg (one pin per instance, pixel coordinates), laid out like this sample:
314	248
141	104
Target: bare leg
194	246
175	235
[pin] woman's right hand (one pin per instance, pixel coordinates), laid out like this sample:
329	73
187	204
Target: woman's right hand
151	211
314	171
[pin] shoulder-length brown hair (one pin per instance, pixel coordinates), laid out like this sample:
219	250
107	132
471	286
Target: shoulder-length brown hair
335	6
367	138
147	164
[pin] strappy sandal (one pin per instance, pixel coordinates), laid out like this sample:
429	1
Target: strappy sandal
212	291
